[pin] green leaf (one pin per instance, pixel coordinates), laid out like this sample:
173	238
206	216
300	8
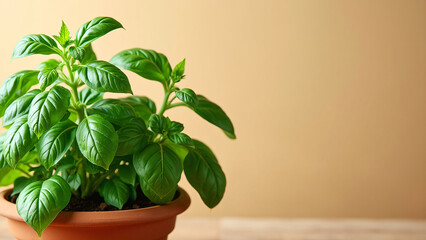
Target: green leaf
3	162
144	100
48	108
77	53
178	71
15	86
187	96
93	169
115	192
132	137
142	109
104	77
175	127
97	140
159	123
49	64
181	139
127	174
180	150
20	139
47	77
20	183
89	55
40	202
8	175
55	143
20	107
74	181
30	158
146	63
133	195
95	29
89	96
113	110
205	174
64	35
159	170
215	115
34	44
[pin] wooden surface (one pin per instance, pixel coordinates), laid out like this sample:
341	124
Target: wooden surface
283	229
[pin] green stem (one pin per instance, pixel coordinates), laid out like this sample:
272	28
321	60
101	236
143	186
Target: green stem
167	91
176	105
171	100
165	102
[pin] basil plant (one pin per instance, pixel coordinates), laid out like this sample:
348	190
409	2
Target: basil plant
64	139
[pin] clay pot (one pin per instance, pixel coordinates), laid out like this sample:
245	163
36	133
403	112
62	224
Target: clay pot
152	223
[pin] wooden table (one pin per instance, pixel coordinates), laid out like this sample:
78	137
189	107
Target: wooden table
285	229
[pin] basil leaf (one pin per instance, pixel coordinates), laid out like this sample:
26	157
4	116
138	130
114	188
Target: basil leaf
34	44
40	202
20	139
187	96
127	174
159	170
20	107
20	183
159	123
113	110
8	175
132	137
77	53
181	139
104	77
146	63
133	195
142	109
178	71
15	86
205	174
93	169
89	55
47	77
55	143
175	127
30	158
49	64
97	140
89	96
144	100
215	115
64	36
3	162
74	181
48	108
180	150
115	192
95	29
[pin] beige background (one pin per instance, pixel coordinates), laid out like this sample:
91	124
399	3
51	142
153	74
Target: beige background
327	97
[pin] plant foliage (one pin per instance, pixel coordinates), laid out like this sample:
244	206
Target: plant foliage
65	139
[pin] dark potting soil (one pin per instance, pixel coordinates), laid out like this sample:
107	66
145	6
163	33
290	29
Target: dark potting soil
96	203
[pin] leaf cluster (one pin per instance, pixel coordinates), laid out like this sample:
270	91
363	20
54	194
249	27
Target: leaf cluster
65	139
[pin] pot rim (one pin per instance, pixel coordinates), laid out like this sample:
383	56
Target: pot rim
148	214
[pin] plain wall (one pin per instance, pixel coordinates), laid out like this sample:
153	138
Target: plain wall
327	97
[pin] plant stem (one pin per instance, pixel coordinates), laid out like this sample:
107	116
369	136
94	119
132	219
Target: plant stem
176	105
171	100
165	102
167	91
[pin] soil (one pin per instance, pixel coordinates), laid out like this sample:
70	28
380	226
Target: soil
96	203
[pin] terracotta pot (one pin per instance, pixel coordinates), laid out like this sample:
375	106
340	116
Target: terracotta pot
152	223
